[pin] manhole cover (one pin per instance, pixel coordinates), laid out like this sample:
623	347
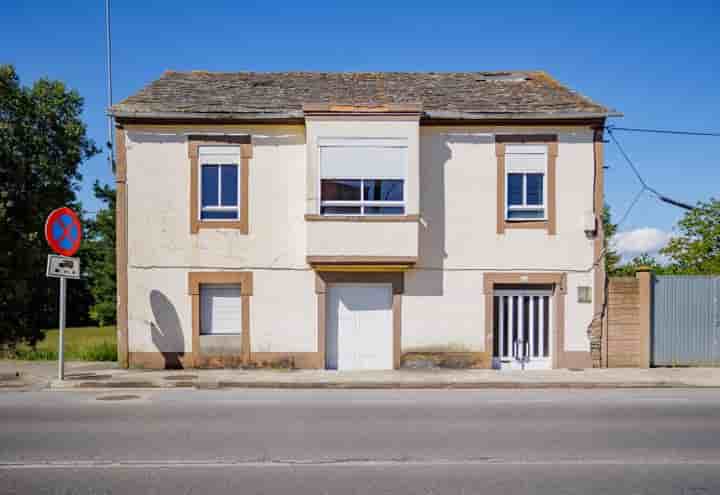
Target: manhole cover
87	376
181	377
118	397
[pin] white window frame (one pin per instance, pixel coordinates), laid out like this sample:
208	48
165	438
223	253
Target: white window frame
516	149
362	203
233	154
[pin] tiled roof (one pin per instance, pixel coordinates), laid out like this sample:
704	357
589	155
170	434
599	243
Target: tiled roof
458	95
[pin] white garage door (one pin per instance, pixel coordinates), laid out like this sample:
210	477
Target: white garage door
221	309
359	329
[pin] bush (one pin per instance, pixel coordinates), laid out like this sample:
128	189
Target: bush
103	351
103	312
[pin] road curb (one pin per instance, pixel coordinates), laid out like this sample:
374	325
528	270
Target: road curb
200	385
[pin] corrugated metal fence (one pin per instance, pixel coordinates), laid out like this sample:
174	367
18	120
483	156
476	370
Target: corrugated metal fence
686	321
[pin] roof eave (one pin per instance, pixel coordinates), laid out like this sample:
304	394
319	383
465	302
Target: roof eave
248	116
437	115
454	115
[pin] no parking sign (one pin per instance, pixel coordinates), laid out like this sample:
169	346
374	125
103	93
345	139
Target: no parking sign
63	231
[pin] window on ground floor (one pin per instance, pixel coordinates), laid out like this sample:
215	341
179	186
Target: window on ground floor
220	309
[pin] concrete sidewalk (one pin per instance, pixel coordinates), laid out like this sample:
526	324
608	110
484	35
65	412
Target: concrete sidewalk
599	378
83	375
37	375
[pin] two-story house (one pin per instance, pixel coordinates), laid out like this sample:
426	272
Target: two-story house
358	220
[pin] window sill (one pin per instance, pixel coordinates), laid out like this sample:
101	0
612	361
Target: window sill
527	224
219	224
362	218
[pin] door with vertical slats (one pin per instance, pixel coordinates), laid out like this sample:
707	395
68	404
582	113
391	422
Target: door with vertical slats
522	329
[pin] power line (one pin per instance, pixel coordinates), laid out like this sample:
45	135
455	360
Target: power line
646	187
664	131
637	197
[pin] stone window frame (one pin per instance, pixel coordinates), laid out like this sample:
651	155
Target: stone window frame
549	224
245	281
246	153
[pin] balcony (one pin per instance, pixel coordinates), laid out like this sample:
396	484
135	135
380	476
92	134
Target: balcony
391	240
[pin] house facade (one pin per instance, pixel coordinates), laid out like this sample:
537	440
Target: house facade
358	221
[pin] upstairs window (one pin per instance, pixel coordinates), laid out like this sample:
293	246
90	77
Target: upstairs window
525	182
219	183
363	176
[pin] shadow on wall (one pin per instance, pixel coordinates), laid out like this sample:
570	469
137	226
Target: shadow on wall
435	154
428	280
166	330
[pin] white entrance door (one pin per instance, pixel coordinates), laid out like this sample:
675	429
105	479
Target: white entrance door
523	323
359	333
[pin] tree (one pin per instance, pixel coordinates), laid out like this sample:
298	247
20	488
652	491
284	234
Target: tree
99	255
612	258
644	260
43	141
696	250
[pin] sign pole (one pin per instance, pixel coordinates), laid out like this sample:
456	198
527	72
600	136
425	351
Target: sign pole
61	343
63	232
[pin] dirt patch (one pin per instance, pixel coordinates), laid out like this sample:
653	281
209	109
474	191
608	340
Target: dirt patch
448	360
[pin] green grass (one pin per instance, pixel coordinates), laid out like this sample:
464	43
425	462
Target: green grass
81	343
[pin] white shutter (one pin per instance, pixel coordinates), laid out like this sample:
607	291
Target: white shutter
369	159
220	309
526	158
219	154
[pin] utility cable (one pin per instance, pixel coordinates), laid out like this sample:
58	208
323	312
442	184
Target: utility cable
660	196
664	131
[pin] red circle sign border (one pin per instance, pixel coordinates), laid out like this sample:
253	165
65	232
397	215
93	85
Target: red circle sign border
54	244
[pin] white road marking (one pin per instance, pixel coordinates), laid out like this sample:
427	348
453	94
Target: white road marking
224	463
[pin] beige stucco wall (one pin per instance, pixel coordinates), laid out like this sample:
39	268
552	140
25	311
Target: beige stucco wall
283	315
161	250
158	181
456	239
443	311
362	239
283	312
443	307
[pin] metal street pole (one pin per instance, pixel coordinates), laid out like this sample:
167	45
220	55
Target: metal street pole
61	346
108	62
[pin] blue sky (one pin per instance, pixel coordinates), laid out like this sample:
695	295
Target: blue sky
657	62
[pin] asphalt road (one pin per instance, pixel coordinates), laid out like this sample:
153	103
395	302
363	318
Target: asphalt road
335	441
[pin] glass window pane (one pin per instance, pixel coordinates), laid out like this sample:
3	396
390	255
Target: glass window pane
384	210
383	190
534	189
340	210
515	188
229	185
209	186
340	190
219	215
526	214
